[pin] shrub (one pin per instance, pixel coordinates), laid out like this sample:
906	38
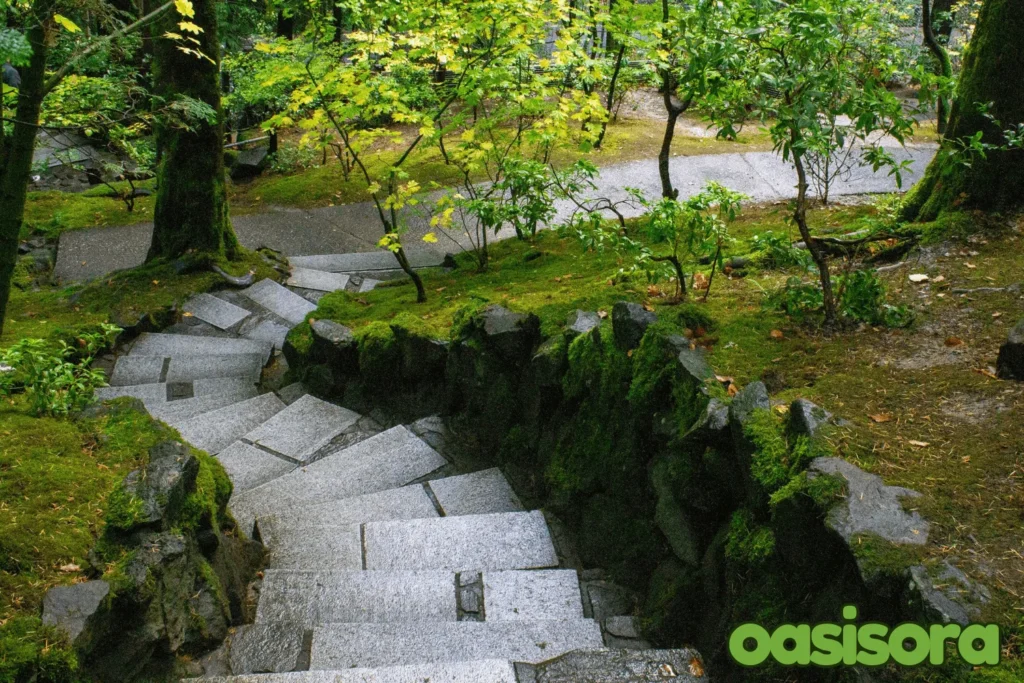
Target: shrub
777	251
861	296
56	379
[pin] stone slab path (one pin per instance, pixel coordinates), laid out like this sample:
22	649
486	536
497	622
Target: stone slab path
330	231
383	564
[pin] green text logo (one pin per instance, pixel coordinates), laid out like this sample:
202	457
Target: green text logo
869	644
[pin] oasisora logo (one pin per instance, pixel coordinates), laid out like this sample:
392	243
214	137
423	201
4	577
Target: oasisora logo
868	644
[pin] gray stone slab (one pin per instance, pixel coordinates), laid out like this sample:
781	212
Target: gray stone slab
217	312
315	598
292	393
323	546
387	460
267	331
505	540
340	646
132	370
406	502
249	467
217	386
478	671
156	394
280	300
158	344
368	284
475	494
321	280
185	368
149	394
178	413
620	666
532	595
215	430
366	261
302	428
267	648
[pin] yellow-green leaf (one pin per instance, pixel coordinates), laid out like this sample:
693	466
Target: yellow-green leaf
184	8
430	238
190	27
69	26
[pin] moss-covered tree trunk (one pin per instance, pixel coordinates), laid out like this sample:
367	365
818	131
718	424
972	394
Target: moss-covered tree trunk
993	73
16	152
191	212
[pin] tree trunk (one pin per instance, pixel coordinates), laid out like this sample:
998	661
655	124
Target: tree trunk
817	254
191	212
942	61
942	11
993	73
16	154
285	25
673	111
403	261
610	102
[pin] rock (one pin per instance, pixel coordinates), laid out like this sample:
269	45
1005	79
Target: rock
603	599
250	163
432	430
163	485
805	418
694	361
622	627
580	322
870	506
1010	364
712	424
335	346
549	363
629	322
511	335
671	519
949	596
621	666
423	358
75	609
753	397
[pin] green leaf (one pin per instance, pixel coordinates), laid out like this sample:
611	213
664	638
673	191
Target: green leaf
69	26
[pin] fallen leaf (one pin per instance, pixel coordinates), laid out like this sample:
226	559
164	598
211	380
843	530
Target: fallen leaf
440	289
70	568
776	334
966	459
732	390
954	341
186	314
653	290
997	314
648	307
970	265
156	282
918	277
940	278
880	417
696	668
558	279
985	371
602	314
724	380
699	332
919	444
700	281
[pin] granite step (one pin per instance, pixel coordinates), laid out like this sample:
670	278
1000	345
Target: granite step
248	467
140	369
178	413
258	328
366	262
315	598
160	393
477	671
342	646
302	428
476	493
280	300
504	540
215	430
321	280
170	345
388	460
216	312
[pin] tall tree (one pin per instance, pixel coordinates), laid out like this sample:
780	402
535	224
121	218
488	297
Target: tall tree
989	102
191	212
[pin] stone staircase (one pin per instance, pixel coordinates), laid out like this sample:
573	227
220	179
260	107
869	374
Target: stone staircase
384	564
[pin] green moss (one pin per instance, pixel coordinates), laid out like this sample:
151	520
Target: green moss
301	338
379	356
124	510
748	543
824	489
770	464
31	651
205	507
878	557
693	317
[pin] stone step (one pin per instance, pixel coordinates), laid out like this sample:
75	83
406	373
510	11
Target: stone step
260	329
391	459
177	413
159	393
214	311
249	467
302	428
215	430
139	369
321	280
365	262
342	646
169	345
476	493
315	597
280	300
477	671
504	540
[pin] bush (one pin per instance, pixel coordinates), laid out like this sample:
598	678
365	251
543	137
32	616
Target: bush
860	294
56	380
777	251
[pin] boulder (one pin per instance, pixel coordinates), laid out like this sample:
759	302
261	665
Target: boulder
629	322
549	363
870	506
694	361
335	346
423	358
250	163
805	418
76	609
946	595
162	486
622	666
752	397
512	335
1010	364
672	519
580	322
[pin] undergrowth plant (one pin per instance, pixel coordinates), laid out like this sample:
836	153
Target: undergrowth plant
861	296
56	380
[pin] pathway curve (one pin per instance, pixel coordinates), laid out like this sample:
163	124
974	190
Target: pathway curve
85	254
385	565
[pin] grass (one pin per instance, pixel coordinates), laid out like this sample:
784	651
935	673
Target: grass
125	296
930	384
